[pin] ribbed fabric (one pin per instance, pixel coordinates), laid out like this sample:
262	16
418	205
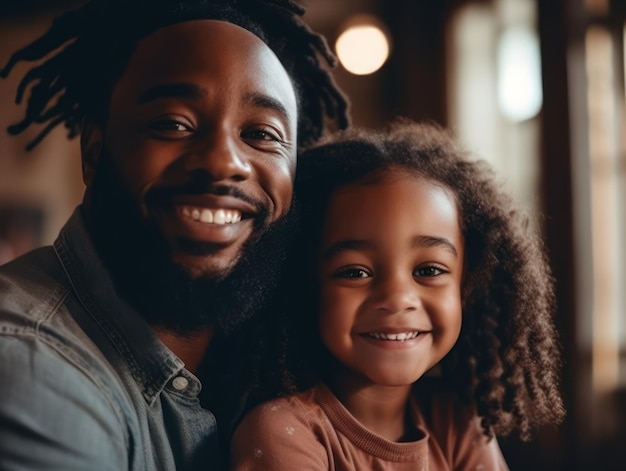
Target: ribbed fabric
313	431
361	437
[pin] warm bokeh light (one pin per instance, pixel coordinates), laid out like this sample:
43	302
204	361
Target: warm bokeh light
363	47
519	74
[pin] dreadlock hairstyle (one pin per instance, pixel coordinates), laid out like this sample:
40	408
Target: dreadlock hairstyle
507	360
87	49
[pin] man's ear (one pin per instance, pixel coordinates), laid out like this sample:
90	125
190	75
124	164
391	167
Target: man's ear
91	149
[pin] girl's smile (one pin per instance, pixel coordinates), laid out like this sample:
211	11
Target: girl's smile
390	278
401	341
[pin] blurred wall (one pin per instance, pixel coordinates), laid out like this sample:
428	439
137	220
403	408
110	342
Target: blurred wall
47	180
546	160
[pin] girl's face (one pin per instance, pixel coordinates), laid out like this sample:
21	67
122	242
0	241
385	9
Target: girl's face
390	271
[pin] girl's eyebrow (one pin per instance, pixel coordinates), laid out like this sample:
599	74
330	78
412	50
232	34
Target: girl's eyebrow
417	241
431	241
342	246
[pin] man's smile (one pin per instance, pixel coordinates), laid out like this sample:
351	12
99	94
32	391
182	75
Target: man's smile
211	216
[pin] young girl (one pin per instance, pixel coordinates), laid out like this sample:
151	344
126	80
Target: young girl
426	327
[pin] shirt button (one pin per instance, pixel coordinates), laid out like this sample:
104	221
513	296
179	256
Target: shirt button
180	383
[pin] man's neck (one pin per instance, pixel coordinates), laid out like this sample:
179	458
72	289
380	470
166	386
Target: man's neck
190	348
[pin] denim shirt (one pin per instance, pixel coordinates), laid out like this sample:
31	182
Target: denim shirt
85	384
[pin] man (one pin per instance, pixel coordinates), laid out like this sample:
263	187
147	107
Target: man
190	115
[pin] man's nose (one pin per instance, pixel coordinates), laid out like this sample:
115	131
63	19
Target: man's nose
395	293
219	155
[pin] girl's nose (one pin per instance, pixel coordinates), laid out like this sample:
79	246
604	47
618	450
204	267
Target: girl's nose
396	293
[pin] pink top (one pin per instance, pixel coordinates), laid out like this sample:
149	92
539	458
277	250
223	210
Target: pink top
313	431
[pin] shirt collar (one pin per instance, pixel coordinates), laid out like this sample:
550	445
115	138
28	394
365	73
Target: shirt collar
150	362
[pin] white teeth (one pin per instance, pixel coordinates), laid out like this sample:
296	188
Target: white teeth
210	216
401	337
219	217
206	216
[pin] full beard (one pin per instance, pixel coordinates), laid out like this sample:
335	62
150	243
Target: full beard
162	292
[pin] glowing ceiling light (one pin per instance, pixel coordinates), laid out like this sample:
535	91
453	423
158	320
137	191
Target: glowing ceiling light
520	93
363	47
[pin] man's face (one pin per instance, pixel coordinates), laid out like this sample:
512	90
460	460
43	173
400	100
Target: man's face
201	131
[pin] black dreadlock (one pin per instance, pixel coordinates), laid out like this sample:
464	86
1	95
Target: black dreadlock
94	42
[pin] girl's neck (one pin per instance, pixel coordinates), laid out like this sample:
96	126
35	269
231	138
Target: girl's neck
381	409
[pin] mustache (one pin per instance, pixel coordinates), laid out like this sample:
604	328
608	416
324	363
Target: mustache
159	194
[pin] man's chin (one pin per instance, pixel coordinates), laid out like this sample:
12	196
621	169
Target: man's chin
194	286
222	289
211	266
188	292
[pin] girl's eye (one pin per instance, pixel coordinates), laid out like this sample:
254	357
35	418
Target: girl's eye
352	273
429	271
170	126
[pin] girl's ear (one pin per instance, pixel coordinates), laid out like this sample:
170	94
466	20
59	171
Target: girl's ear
91	149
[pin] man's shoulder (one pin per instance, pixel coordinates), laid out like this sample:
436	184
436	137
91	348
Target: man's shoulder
31	282
52	373
54	410
32	294
37	327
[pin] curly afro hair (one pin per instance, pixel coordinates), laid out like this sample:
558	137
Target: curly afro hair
506	363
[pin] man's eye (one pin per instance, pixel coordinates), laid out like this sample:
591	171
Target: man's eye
352	273
429	271
262	135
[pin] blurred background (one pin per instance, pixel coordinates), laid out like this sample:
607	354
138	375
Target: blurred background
535	87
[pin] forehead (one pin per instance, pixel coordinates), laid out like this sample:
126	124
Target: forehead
192	51
398	205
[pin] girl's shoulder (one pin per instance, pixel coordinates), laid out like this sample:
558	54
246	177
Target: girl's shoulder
455	427
299	404
280	432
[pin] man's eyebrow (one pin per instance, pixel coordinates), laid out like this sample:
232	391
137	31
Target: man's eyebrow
342	246
265	101
173	90
430	241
